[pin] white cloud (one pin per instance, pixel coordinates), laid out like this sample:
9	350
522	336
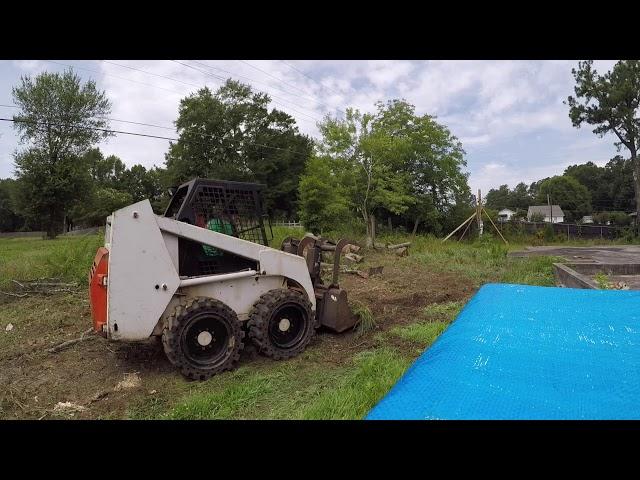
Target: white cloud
504	112
29	66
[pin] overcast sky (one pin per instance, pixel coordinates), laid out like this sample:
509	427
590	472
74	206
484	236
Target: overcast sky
509	115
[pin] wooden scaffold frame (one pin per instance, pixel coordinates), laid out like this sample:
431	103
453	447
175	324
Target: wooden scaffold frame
477	214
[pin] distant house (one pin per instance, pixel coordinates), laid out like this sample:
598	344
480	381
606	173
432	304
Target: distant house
505	215
587	219
557	215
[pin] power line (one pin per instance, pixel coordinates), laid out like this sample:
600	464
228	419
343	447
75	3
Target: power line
310	77
217	77
151	73
114	76
274	96
266	84
286	83
114	120
138	134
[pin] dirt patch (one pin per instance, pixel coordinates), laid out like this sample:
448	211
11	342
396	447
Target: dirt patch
405	288
101	379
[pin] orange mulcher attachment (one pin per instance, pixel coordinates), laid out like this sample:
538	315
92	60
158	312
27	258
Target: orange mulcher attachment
98	289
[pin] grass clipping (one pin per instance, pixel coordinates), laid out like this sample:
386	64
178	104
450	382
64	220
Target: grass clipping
366	321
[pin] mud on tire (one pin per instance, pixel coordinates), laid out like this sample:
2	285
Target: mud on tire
281	323
202	338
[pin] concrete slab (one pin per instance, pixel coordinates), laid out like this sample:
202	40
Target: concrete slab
600	255
621	263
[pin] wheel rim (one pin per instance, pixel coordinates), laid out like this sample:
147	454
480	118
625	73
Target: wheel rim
207	340
287	326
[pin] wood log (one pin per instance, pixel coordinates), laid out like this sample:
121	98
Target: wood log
399	245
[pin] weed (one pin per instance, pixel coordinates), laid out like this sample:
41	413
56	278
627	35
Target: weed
366	322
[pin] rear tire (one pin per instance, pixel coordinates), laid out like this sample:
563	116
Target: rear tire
203	338
281	323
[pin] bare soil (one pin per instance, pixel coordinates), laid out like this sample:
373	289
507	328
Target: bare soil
100	379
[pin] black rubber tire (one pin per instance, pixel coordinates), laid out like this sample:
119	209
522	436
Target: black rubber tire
176	328
265	308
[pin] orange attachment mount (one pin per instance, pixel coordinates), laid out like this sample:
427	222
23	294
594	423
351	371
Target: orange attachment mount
98	289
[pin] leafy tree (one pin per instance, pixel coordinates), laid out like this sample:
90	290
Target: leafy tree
365	162
520	197
323	203
610	102
102	202
571	195
105	172
431	157
58	119
620	218
141	183
617	185
395	162
498	199
232	135
10	220
588	174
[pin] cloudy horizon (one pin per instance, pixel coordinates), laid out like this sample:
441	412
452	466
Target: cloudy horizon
509	115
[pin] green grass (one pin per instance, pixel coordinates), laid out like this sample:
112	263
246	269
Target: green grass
68	258
482	261
366	320
374	372
282	390
309	386
423	334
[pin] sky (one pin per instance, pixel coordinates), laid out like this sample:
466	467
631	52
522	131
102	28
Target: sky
509	115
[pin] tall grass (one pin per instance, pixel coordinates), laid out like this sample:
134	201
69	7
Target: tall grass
67	258
366	321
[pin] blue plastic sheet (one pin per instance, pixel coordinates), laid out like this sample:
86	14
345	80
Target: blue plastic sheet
523	352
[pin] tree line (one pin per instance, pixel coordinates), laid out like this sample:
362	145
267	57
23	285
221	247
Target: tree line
606	193
391	164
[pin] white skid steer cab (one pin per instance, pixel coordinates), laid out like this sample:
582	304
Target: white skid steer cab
202	277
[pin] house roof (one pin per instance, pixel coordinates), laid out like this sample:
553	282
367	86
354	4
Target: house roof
506	210
556	211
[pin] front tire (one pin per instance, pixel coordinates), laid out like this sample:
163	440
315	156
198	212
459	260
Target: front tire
281	323
203	338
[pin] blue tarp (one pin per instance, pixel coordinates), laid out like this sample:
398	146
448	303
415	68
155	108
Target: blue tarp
523	352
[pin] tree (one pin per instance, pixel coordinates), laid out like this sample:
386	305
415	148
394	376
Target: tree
112	183
610	102
363	160
431	157
105	172
521	197
499	199
571	195
323	203
232	135
394	162
102	203
617	185
59	119
588	174
10	220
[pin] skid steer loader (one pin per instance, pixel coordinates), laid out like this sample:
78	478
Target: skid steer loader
202	277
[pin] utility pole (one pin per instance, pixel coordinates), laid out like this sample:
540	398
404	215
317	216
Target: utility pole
550	210
479	213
